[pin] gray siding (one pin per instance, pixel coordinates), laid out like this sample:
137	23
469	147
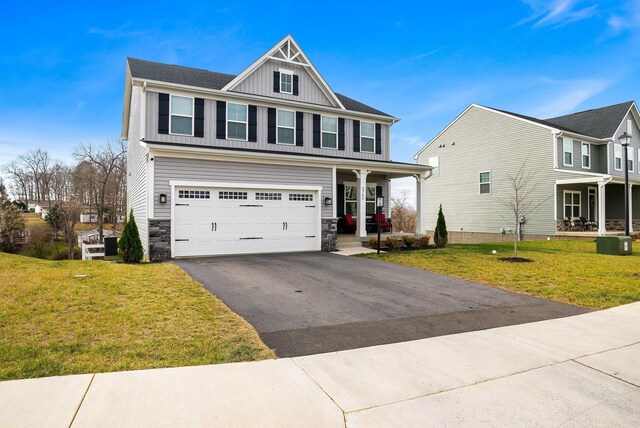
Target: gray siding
166	169
489	141
598	156
583	189
262	144
137	169
614	198
350	177
635	143
260	82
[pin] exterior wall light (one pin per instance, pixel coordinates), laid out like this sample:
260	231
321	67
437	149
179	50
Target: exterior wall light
328	200
163	198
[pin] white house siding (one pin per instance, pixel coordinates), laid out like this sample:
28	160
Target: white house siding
260	82
210	139
137	169
635	144
167	168
489	141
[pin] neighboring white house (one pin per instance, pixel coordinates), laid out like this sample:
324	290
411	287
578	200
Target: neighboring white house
263	161
577	161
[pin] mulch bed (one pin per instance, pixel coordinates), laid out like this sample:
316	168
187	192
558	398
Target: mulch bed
515	259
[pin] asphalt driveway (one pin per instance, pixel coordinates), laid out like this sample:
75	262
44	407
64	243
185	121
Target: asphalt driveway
308	303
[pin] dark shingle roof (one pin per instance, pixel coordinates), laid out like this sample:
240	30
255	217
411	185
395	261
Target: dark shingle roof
535	119
600	122
180	75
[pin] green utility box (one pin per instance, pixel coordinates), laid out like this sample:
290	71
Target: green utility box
613	245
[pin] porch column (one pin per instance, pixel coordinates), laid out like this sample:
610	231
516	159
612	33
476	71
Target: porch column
361	206
421	212
601	209
630	208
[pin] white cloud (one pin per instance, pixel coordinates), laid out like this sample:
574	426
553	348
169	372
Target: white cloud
556	13
568	95
627	19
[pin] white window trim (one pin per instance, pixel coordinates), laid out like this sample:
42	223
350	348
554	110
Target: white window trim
631	158
582	155
373	147
193	109
565	205
246	122
282	73
564	158
480	183
285	127
354	184
328	132
616	146
436	165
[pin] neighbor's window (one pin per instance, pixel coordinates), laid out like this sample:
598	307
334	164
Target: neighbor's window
286	127
351	199
630	158
617	156
485	182
181	115
586	155
434	162
329	132
286	82
571	203
367	137
567	152
236	121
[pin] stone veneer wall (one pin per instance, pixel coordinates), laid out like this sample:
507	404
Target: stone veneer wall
609	224
159	240
329	234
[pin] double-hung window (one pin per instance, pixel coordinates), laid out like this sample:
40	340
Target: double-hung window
286	82
367	137
351	199
434	162
181	115
630	158
236	121
329	132
571	203
567	152
617	157
485	182
286	127
586	156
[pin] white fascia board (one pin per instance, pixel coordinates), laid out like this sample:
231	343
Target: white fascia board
232	185
583	180
571	171
583	137
128	86
154	85
443	131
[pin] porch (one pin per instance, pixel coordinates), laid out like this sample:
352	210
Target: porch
594	206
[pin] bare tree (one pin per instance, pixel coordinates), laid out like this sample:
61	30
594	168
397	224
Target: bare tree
403	214
522	201
70	214
20	185
105	161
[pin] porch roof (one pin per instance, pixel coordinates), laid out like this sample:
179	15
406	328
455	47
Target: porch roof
604	179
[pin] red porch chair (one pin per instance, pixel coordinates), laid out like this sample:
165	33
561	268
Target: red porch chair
348	224
384	224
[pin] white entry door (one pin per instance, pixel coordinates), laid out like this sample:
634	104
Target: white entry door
218	220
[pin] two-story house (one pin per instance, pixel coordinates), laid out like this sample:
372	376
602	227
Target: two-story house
576	163
263	161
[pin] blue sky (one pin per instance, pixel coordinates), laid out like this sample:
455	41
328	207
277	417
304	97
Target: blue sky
62	64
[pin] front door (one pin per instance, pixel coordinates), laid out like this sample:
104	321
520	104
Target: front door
592	205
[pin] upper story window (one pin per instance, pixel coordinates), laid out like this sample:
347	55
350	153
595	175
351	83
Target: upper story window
329	132
629	127
237	121
286	127
567	152
286	82
617	157
630	159
367	137
485	182
434	162
181	115
586	156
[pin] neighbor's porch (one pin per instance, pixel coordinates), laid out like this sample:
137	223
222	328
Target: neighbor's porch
594	206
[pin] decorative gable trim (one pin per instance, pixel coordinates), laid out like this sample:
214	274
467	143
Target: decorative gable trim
287	51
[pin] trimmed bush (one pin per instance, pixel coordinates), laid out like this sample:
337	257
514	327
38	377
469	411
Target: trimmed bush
373	243
130	244
394	244
423	242
409	240
440	235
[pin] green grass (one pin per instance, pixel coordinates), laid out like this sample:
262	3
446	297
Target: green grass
120	317
564	271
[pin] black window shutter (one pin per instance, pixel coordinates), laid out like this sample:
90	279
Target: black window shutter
295	84
163	113
221	120
316	131
271	125
340	202
356	135
340	133
253	124
299	128
378	139
198	116
276	81
378	191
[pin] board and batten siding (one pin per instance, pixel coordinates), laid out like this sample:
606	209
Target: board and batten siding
489	141
598	156
137	169
260	82
169	168
635	144
262	143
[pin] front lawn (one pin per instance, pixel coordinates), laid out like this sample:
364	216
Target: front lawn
119	317
564	271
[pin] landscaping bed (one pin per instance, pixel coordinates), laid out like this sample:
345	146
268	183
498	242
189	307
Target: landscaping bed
564	271
118	317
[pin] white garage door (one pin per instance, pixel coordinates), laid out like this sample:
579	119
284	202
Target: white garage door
217	220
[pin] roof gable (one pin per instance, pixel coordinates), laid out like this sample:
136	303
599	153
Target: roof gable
599	123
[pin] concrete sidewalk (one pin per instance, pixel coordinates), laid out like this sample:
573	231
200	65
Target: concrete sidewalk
577	371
